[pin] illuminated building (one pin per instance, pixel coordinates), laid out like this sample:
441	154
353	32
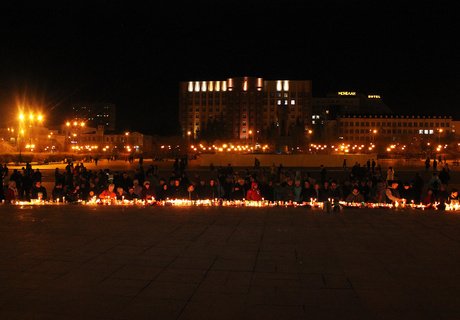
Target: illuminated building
392	127
244	107
95	114
82	139
326	110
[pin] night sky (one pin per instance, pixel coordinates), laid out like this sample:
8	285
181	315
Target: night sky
56	53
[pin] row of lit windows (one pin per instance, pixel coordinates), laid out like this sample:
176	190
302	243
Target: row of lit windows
395	124
204	110
107	139
204	86
390	131
362	138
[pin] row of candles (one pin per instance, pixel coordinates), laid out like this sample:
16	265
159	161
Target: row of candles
329	205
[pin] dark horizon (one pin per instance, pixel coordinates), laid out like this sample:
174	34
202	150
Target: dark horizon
134	56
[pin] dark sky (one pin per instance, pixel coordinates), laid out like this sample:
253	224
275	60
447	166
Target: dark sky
55	53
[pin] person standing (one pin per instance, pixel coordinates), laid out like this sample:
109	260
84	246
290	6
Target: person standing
323	174
390	174
427	164
12	193
418	187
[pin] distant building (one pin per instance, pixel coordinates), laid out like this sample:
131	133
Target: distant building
326	110
352	128
95	114
245	107
98	140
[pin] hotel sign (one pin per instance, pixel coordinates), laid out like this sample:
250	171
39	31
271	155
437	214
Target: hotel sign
346	93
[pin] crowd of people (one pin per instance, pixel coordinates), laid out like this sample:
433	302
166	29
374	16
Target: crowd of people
365	183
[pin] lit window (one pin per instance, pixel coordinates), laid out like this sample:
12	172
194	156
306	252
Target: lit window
313	122
431	131
230	84
217	85
292	101
245	85
190	86
197	86
285	102
203	86
278	85
224	86
279	102
425	131
210	86
286	85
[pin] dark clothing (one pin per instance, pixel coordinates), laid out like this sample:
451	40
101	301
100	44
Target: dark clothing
131	196
307	194
162	192
177	192
444	176
58	193
35	192
239	192
418	188
358	198
336	193
121	196
267	192
148	194
408	194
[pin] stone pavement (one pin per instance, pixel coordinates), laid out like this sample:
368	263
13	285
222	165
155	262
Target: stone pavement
71	262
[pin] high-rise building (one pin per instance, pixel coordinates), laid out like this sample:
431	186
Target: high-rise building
244	107
96	114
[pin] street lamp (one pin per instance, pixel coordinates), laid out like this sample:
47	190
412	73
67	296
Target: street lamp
249	135
374	132
73	131
25	122
189	136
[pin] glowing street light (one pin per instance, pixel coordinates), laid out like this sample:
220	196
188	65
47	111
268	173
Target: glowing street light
67	124
40	118
21	117
440	131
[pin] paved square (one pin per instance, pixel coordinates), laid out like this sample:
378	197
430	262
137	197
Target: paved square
72	262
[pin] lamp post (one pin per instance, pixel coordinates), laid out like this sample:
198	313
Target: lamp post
440	131
73	130
374	133
249	136
24	123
